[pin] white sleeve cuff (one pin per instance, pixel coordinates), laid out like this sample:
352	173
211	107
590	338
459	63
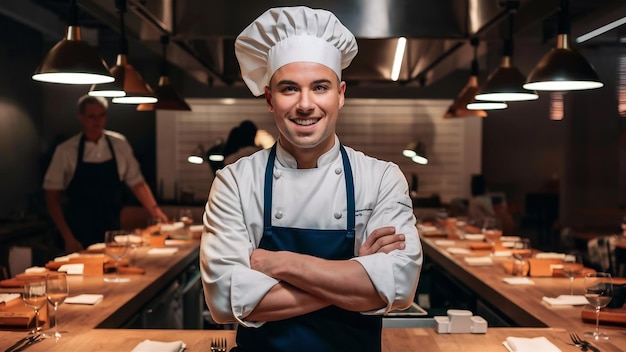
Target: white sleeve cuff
248	287
380	270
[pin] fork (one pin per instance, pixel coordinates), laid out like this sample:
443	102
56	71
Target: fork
218	345
582	344
576	340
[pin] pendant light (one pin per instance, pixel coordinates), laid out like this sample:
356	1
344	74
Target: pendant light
506	82
165	92
458	108
129	87
416	151
73	61
563	68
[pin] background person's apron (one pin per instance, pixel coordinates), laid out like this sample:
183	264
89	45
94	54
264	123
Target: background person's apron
94	198
328	329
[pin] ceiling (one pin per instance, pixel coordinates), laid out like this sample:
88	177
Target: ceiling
202	32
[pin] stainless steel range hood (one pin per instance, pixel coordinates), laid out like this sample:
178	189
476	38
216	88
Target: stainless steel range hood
203	31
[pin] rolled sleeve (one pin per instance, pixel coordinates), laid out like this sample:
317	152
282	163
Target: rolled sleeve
233	289
395	275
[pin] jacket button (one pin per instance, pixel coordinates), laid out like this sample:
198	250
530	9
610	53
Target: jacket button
278	174
338	171
278	215
337	215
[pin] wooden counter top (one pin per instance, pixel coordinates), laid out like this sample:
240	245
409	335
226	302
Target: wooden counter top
394	340
520	303
122	300
93	328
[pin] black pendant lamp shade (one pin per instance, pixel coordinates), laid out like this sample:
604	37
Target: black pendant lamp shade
563	68
506	82
168	98
458	108
73	61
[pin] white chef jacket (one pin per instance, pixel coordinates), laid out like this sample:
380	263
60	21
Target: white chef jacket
303	198
63	163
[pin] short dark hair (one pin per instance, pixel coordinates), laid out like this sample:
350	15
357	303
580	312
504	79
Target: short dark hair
88	99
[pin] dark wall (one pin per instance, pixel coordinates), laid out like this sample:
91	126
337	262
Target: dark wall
35	117
20	119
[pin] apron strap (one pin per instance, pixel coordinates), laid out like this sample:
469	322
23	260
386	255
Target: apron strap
349	191
267	193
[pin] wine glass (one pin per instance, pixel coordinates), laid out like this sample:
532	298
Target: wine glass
492	230
56	292
115	246
186	217
572	266
599	292
34	296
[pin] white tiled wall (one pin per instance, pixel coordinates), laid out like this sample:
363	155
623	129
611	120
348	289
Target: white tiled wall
380	128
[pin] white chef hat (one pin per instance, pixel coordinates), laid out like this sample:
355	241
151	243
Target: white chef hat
292	34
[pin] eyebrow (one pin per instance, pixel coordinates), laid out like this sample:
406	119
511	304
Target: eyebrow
290	82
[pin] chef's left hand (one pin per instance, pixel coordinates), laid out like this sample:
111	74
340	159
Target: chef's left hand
263	260
382	240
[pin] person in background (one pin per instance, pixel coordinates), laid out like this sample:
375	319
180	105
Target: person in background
308	243
240	142
90	169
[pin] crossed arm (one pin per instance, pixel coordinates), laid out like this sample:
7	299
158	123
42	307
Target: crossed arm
309	283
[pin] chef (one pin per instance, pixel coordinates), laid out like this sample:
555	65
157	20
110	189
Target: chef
90	169
307	243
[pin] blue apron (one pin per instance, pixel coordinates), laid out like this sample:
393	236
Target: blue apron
94	198
330	328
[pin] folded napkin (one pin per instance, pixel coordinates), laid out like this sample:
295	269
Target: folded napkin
158	346
503	254
132	239
474	236
509	238
196	228
566	300
172	227
444	242
456	250
85	298
518	281
163	251
478	261
550	255
8	297
525	344
72	269
96	247
35	269
428	228
66	258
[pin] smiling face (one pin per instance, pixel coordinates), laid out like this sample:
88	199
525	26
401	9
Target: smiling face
305	98
93	120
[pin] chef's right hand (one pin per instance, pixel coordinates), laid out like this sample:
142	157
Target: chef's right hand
72	245
382	240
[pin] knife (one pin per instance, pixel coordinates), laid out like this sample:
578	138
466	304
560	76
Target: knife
21	341
592	347
30	342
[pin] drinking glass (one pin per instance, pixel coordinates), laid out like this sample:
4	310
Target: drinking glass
186	217
492	230
599	292
56	292
115	246
572	266
521	251
34	296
